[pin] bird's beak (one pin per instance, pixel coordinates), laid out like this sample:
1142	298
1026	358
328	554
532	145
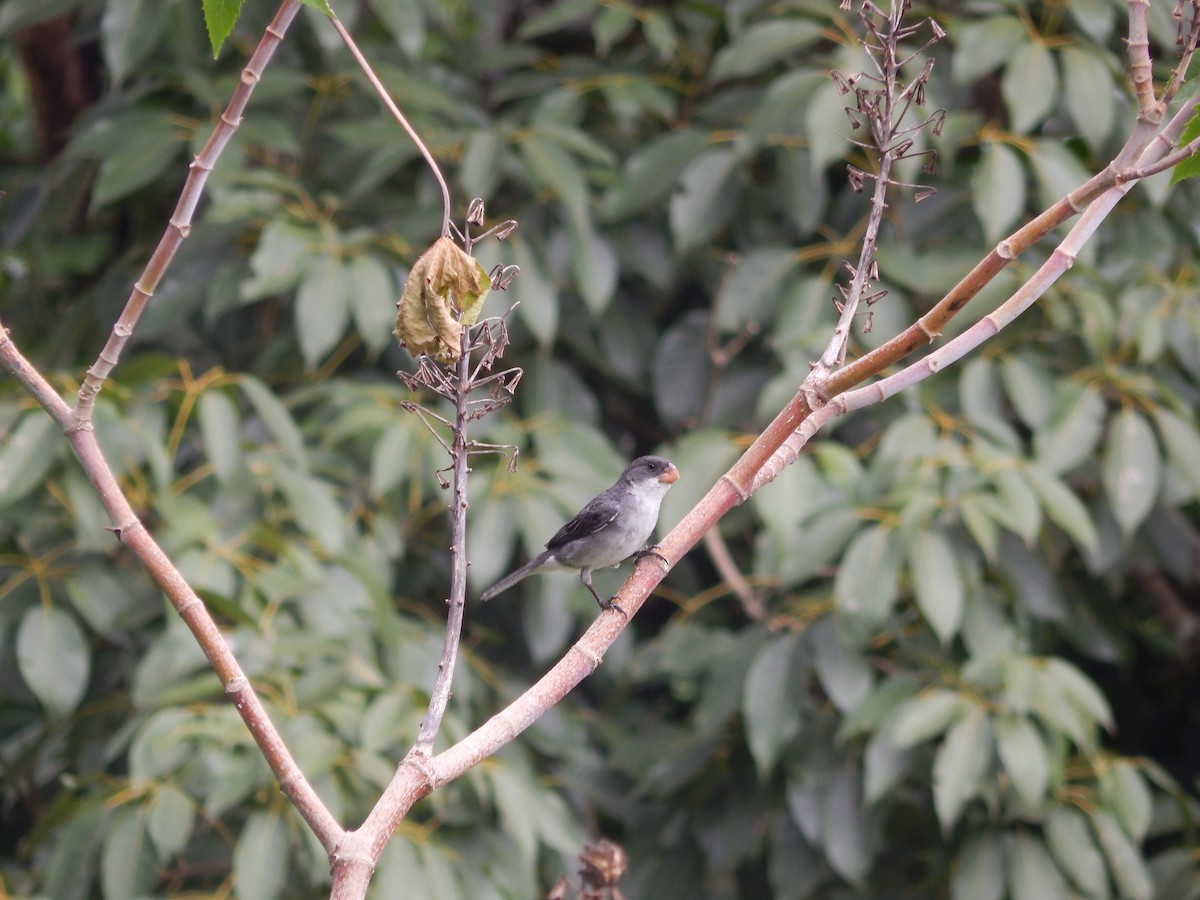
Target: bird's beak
670	476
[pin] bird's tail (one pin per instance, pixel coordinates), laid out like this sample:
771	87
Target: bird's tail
520	575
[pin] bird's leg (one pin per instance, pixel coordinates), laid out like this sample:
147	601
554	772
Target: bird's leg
585	575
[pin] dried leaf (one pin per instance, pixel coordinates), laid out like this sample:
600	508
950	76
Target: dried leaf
445	291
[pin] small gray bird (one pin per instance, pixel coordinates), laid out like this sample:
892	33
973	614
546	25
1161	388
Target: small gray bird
608	530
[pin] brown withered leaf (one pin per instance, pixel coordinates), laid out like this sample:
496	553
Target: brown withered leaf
444	292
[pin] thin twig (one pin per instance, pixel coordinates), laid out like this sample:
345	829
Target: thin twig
399	117
718	552
439	697
180	223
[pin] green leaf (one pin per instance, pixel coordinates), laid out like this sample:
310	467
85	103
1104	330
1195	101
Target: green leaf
845	832
1181	440
221	431
392	458
219	17
1069	438
826	127
1024	757
536	293
845	674
680	368
128	863
1063	699
998	189
979	872
280	260
660	33
1126	864
553	17
26	455
322	308
552	168
169	820
612	25
161	744
1032	874
108	598
1190	167
276	417
69	871
129	29
1030	390
936	582
144	145
762	44
884	764
1064	507
1058	170
1131	470
982	401
594	266
260	858
975	511
1029	86
770	702
959	766
372	298
1017	507
705	199
868	580
1070	842
53	658
1095	17
652	172
1089	94
750	290
927	715
984	46
1124	791
406	23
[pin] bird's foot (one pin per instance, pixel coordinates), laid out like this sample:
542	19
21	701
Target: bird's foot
611	603
655	552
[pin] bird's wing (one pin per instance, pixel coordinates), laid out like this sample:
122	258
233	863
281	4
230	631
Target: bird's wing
598	513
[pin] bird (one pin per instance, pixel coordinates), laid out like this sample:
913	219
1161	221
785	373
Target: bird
608	530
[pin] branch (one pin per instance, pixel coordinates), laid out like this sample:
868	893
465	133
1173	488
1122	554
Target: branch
440	695
399	117
77	425
180	223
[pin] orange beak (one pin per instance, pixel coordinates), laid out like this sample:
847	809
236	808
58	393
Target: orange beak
670	476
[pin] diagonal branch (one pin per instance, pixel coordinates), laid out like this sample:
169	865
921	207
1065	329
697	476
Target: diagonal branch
76	423
180	223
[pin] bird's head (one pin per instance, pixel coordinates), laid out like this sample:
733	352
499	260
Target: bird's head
651	468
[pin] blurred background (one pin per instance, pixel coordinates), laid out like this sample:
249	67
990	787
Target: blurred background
951	652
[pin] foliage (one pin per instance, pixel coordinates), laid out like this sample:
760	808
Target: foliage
974	675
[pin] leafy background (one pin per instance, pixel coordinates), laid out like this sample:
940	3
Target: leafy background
974	675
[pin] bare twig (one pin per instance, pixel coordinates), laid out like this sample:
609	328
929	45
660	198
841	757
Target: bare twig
883	110
439	697
180	223
399	117
718	552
